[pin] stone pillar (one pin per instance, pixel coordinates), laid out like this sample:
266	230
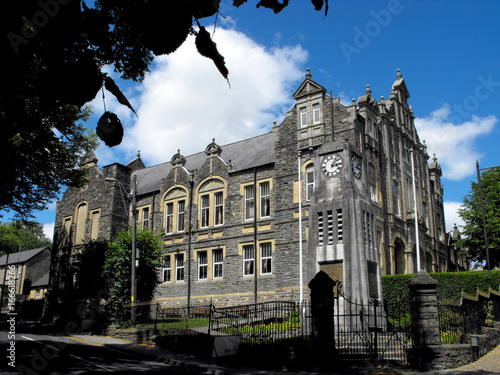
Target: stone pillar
425	322
410	263
323	329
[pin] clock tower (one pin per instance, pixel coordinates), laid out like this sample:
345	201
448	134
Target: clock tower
343	236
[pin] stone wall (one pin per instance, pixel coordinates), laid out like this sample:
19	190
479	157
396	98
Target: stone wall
137	336
428	353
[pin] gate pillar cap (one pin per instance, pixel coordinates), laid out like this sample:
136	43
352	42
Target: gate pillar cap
423	281
321	282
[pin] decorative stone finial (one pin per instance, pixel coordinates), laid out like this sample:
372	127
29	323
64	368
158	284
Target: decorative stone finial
399	75
382	98
353	101
138	153
435	158
178	159
368	91
308	74
213	149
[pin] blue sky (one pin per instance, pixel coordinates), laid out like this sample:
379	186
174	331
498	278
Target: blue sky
448	53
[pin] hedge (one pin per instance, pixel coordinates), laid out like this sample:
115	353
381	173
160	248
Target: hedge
450	286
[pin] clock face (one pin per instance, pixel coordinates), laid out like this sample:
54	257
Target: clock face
356	166
331	165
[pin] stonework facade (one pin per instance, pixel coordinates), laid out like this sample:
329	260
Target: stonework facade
239	210
28	269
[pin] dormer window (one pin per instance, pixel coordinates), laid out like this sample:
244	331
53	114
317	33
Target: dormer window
316	116
303	117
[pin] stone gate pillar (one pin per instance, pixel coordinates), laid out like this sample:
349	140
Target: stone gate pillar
323	329
424	322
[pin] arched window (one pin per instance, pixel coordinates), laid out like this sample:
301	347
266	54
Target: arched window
211	203
399	257
175	210
395	198
81	217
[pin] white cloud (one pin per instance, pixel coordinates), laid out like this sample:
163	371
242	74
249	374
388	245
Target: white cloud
48	230
451	215
185	102
454	144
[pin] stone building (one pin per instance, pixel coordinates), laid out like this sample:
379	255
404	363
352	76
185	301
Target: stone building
234	211
25	272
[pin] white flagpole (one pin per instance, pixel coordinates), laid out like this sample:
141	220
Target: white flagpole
301	295
415	211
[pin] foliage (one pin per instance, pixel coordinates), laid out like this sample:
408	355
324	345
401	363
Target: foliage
52	58
27	234
450	286
451	337
89	264
261	328
44	148
473	234
117	271
396	294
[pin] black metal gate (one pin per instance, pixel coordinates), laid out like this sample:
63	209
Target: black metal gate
365	332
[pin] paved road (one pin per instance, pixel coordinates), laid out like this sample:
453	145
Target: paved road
44	354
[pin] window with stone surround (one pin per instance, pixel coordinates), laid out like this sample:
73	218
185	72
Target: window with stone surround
179	267
309	181
181	212
169	217
266	257
205	210
167	269
303	117
249	202
94	224
248	260
202	265
218	263
174	209
263	199
211	203
316	113
81	219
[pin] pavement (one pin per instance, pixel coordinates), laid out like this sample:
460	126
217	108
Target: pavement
488	364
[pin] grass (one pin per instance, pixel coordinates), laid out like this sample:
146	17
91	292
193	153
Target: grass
176	323
450	337
283	326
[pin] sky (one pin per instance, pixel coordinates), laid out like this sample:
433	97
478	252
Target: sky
447	51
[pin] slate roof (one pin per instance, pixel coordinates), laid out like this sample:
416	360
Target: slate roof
21	257
42	281
245	154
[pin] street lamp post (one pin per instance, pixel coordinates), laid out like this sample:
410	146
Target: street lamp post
133	296
132	198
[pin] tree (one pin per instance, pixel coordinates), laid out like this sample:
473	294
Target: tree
52	55
117	269
473	235
27	234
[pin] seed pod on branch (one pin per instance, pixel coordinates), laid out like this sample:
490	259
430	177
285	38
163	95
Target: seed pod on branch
206	47
275	5
110	129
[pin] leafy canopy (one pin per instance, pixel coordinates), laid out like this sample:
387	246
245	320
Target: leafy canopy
53	52
473	234
27	234
117	271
